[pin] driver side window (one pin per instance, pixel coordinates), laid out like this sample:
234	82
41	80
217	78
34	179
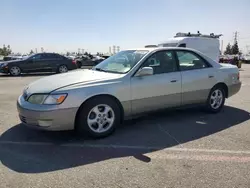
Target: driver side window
161	62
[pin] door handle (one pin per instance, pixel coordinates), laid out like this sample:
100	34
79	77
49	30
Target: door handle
210	76
173	81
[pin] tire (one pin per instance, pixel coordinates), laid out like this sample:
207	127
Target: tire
94	124
15	71
216	99
62	69
79	64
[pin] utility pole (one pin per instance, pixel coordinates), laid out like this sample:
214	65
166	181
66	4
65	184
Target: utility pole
117	48
235	37
221	50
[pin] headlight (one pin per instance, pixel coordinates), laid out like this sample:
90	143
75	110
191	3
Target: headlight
55	99
37	99
3	64
47	99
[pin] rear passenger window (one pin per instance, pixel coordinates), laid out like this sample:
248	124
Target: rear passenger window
55	56
190	61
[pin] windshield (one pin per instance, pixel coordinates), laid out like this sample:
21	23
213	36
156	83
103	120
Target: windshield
27	57
121	62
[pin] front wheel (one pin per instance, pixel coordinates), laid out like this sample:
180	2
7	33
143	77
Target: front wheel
98	117
216	100
15	71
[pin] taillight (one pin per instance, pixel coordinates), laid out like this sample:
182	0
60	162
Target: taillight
238	77
73	61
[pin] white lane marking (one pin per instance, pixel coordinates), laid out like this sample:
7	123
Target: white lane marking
216	158
127	147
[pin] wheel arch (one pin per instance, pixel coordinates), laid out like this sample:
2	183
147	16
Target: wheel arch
224	86
101	95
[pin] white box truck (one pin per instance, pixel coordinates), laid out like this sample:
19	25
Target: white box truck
207	44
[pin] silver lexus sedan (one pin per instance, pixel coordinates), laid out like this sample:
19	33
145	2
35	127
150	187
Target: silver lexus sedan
129	83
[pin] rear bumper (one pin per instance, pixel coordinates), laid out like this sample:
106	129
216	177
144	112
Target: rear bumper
46	119
233	89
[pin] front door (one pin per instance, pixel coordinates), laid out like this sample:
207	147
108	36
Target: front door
32	64
160	90
198	77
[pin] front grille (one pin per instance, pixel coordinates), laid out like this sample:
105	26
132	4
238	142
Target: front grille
23	119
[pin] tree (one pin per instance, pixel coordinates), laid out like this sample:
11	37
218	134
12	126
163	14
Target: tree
228	50
235	48
31	52
5	51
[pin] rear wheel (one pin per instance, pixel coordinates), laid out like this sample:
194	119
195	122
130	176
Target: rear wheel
99	117
62	69
15	71
216	100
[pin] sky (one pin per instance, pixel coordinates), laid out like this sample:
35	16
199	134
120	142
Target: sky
94	25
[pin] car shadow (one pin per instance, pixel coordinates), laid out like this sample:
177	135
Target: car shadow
29	151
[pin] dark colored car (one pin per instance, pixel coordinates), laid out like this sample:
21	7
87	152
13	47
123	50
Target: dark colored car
41	62
88	60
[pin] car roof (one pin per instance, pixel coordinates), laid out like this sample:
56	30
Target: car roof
161	48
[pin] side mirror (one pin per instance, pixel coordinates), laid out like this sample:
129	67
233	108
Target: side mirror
145	71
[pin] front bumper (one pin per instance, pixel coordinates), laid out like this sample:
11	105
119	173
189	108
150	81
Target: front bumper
46	117
4	70
233	89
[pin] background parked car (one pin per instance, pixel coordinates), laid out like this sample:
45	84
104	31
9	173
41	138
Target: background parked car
9	58
86	60
41	62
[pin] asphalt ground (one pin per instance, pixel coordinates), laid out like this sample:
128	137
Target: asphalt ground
180	148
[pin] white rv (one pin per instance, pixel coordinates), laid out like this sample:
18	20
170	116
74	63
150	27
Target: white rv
207	44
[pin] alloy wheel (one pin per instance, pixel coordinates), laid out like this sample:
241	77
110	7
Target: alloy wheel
15	71
63	69
216	99
101	118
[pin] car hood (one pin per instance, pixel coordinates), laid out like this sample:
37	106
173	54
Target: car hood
54	82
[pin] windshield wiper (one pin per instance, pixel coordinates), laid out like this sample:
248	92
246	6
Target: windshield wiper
99	69
109	71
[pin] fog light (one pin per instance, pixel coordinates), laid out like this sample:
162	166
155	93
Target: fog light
44	123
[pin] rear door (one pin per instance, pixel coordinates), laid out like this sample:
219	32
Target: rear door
53	61
198	77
